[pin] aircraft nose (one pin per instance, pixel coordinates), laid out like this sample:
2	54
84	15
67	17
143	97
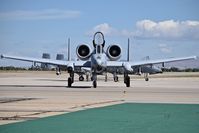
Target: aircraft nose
99	62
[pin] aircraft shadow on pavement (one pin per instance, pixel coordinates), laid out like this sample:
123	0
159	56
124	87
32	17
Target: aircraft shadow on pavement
83	87
79	87
61	80
31	86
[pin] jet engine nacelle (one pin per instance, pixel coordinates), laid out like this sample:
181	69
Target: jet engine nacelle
114	52
83	52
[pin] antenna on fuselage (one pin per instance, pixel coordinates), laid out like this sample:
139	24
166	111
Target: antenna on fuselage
128	50
68	49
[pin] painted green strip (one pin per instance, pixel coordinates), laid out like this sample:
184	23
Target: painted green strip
122	118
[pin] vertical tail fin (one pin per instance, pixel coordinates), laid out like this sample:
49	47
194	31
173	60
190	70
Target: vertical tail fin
128	50
68	49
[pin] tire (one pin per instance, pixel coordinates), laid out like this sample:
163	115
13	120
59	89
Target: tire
81	78
69	82
146	79
87	77
94	84
106	78
127	81
116	78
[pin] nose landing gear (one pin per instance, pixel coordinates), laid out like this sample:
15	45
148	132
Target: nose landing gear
71	79
81	78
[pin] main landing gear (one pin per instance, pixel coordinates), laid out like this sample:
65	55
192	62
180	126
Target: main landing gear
127	80
58	71
87	76
115	77
146	76
106	76
71	79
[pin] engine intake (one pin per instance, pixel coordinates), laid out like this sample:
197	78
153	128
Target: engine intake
83	52
114	52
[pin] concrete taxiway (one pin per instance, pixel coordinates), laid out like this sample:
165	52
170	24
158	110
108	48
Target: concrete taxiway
29	95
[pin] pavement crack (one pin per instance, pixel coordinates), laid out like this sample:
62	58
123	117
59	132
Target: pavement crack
10	100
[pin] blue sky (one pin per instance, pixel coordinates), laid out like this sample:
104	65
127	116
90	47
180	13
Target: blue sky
157	28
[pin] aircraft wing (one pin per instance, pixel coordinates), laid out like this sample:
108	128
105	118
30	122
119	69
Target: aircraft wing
47	61
147	62
88	63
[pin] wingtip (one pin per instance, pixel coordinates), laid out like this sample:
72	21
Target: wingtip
194	57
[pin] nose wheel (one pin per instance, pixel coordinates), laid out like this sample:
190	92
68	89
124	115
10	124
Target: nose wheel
94	79
95	84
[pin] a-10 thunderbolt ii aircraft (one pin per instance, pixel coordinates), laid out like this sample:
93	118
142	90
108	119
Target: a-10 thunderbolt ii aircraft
98	61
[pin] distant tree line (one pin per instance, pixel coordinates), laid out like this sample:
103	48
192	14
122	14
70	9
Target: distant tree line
12	68
175	69
172	69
